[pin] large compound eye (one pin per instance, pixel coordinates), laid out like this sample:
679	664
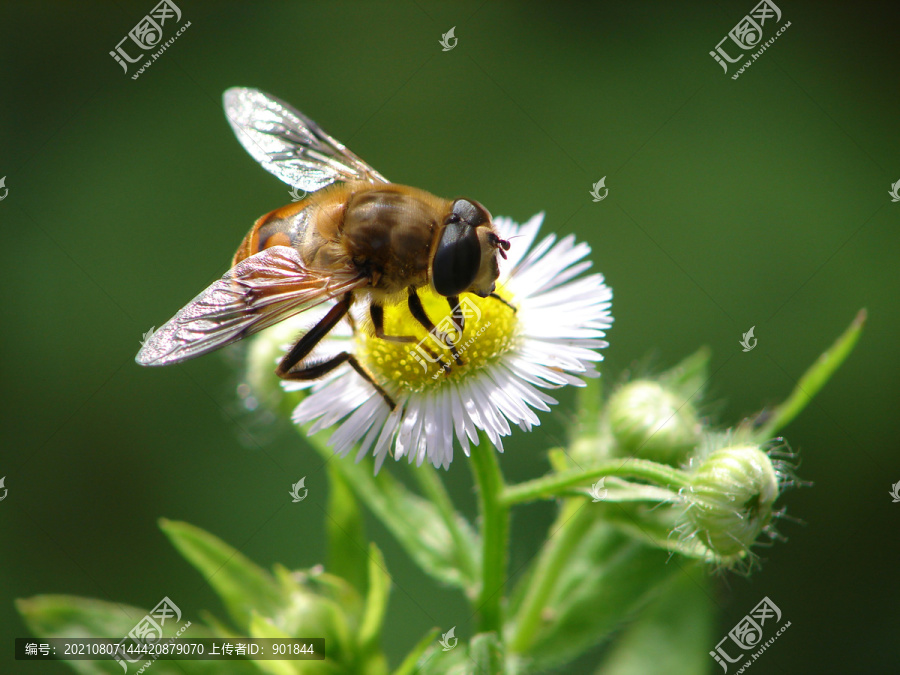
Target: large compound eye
457	259
471	212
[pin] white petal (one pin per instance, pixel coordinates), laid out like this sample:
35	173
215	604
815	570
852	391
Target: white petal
562	318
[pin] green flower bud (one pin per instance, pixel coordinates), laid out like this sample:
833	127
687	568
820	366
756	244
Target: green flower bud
730	500
320	604
652	422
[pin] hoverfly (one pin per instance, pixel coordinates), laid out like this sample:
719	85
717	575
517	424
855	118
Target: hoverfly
355	237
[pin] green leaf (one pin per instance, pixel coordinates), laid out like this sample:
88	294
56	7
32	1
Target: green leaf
243	586
262	627
690	375
68	616
533	589
813	379
487	653
436	661
432	486
376	601
673	635
484	655
218	627
346	535
607	578
318	604
415	522
410	663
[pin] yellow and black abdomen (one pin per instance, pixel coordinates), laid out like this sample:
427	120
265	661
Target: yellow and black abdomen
311	226
282	227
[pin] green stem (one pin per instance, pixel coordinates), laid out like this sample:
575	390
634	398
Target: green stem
573	522
549	487
494	536
433	488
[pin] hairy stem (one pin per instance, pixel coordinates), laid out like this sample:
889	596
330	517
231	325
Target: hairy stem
570	527
550	487
494	536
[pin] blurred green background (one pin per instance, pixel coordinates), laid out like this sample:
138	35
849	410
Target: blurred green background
761	201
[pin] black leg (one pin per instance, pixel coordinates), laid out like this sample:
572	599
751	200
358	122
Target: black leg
418	312
317	370
377	314
457	313
315	334
497	297
288	370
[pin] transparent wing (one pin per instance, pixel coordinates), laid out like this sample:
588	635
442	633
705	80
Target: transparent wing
257	292
290	145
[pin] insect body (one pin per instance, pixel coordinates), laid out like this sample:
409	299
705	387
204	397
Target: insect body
356	237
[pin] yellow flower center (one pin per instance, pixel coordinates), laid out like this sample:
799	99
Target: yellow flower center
489	331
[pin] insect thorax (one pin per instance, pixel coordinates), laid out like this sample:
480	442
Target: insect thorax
389	232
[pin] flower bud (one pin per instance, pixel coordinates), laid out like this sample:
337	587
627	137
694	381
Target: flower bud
320	604
652	422
730	500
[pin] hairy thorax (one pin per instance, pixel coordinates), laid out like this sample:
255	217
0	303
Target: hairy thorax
388	232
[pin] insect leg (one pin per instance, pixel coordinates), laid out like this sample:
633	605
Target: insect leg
377	313
418	312
497	297
288	370
457	313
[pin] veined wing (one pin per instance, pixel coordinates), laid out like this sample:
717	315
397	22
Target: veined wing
290	145
254	294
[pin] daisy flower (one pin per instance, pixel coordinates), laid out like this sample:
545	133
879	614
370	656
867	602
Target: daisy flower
542	335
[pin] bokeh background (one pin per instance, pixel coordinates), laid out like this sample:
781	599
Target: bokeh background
761	201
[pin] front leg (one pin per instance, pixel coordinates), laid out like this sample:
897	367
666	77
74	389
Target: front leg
457	313
497	297
377	313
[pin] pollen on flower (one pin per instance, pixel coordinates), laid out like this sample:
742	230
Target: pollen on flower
490	330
